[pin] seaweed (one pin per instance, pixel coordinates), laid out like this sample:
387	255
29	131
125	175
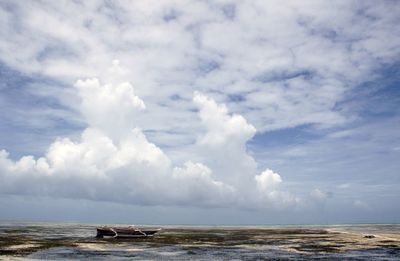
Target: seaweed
246	242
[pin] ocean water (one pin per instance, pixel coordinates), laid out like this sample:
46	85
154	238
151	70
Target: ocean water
64	241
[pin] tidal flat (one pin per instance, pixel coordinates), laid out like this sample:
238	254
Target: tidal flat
55	241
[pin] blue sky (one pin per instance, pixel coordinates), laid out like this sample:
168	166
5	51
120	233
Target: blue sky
212	112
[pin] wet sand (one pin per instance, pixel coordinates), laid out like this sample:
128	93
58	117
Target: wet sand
74	241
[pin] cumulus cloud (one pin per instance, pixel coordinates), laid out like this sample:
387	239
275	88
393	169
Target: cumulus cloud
195	181
223	145
275	65
224	148
108	107
222	128
267	181
113	160
268	185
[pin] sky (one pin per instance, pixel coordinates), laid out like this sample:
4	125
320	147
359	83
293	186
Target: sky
200	112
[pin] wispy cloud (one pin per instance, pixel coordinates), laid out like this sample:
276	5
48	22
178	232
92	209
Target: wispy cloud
291	62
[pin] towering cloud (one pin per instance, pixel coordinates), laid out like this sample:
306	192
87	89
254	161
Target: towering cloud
224	149
222	129
110	108
113	160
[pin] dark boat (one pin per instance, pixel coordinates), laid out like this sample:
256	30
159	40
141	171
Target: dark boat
125	232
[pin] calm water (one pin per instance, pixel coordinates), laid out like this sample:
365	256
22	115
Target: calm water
52	241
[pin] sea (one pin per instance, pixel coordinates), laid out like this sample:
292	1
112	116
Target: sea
73	241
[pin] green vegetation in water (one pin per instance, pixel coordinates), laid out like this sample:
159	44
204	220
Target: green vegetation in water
22	241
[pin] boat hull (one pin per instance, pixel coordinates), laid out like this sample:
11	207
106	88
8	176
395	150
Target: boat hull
120	232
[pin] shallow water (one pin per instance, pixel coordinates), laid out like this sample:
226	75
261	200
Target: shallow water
54	241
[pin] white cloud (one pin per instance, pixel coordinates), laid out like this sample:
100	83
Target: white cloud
195	182
109	108
268	185
268	180
275	65
113	160
292	62
223	146
222	129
